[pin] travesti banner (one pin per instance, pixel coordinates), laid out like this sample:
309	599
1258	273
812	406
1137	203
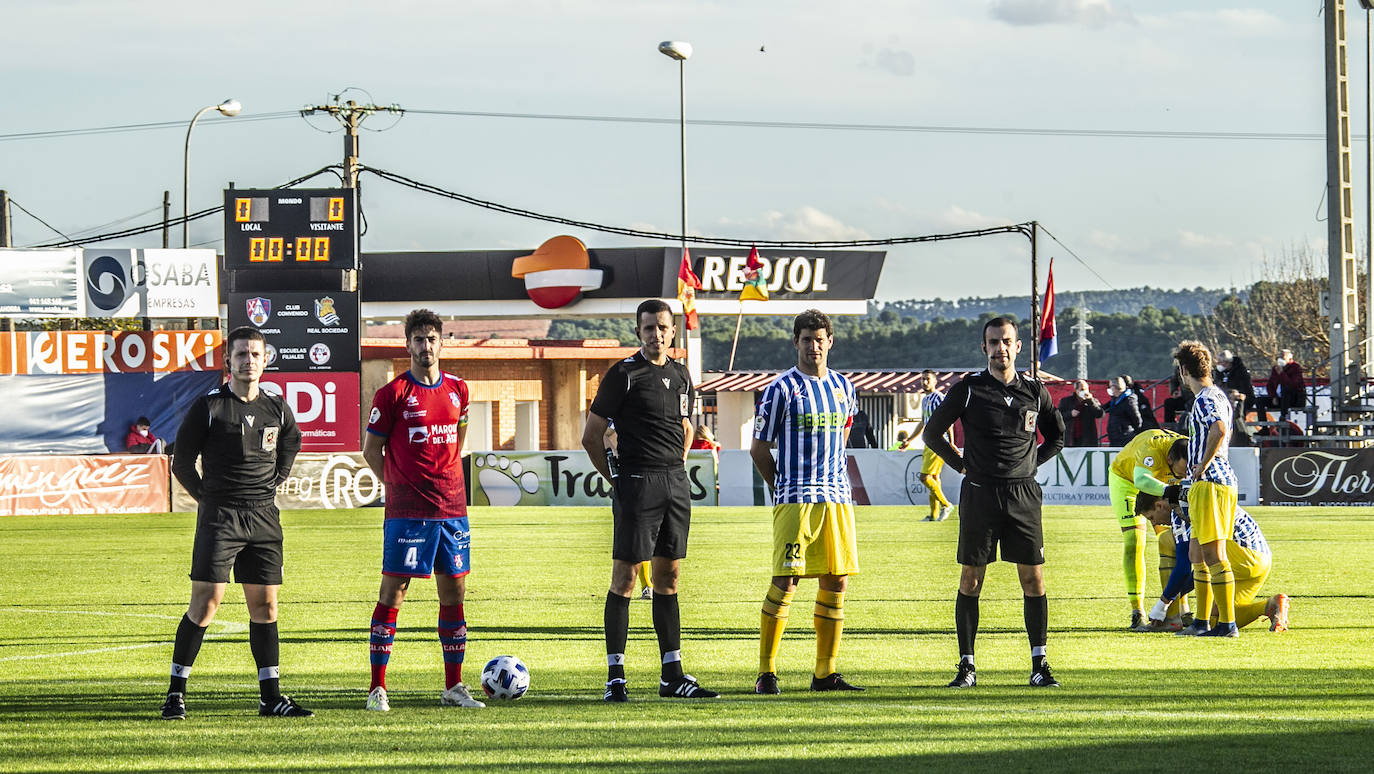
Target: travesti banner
49	485
1317	476
316	481
1076	476
564	478
109	352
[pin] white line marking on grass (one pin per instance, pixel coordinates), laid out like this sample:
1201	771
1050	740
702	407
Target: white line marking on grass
229	627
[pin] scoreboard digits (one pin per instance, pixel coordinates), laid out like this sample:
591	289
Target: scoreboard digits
307	228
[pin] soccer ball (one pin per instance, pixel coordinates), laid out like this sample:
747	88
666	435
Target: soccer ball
505	677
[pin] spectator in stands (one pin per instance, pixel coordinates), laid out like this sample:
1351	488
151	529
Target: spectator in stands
861	433
1287	390
1177	405
706	440
1080	411
1147	412
903	442
141	440
1123	413
1234	379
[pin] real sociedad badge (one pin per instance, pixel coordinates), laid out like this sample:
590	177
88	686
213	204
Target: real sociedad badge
324	311
259	310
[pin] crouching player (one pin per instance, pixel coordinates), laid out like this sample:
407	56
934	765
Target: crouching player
1246	550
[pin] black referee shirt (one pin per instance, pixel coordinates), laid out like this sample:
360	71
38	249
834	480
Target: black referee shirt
1000	421
246	447
648	404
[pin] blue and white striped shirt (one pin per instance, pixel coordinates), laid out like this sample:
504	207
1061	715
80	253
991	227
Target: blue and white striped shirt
1244	533
929	403
1209	407
806	418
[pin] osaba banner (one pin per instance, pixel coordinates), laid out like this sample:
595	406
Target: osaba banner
150	283
109	352
564	478
316	481
325	406
1317	476
55	485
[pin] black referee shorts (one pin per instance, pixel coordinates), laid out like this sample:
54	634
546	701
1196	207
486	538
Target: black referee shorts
1005	513
652	511
246	539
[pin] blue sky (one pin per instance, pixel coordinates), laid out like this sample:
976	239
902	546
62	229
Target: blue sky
1164	212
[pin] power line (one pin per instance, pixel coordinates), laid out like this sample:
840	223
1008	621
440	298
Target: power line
1019	228
122	128
1076	258
40	220
136	230
932	129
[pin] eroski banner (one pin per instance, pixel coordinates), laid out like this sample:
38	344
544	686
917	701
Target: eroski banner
564	478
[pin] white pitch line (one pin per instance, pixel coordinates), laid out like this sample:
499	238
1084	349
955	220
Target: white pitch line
229	627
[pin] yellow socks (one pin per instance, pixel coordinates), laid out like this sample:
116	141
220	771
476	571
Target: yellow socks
829	620
1202	584
937	495
1133	562
643	572
776	605
1224	590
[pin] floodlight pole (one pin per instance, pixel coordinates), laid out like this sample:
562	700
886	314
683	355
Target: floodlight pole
1035	302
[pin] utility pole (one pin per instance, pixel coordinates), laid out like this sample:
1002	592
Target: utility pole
350	115
1080	341
166	218
1344	303
5	224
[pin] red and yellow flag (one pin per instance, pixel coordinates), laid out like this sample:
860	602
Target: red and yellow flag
755	289
687	284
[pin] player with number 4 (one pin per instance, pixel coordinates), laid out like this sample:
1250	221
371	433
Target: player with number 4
414	443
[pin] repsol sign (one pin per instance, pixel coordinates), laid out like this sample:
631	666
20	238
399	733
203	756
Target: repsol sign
1317	476
848	274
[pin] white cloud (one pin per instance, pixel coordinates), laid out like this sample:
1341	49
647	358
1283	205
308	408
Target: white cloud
804	224
897	61
956	218
1090	13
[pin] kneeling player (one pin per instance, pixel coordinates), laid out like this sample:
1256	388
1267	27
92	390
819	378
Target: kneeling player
1246	550
807	413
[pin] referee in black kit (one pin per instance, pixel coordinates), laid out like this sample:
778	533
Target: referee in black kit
649	397
246	440
999	502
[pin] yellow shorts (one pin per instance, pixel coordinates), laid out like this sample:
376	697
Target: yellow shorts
811	539
931	463
1212	509
1122	494
1251	569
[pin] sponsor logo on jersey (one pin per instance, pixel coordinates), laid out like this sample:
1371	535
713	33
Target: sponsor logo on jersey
411	400
374	416
411	414
419	434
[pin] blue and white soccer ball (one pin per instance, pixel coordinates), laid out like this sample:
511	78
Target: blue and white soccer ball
505	677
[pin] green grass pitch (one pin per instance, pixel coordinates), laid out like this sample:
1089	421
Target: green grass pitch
90	603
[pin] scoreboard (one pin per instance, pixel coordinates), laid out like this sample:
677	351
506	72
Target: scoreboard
304	228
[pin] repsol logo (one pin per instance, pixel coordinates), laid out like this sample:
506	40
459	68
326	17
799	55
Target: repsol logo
786	273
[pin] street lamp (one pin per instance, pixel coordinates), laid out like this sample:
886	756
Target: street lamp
680	50
229	107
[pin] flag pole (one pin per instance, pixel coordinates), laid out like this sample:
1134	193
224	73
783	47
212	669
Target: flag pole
734	343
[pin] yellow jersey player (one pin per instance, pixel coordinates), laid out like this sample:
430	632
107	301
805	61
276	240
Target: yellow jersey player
931	463
1149	462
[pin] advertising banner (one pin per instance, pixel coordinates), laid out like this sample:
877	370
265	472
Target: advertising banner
1317	476
326	408
304	331
1076	476
316	481
150	283
564	478
57	485
41	283
109	352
